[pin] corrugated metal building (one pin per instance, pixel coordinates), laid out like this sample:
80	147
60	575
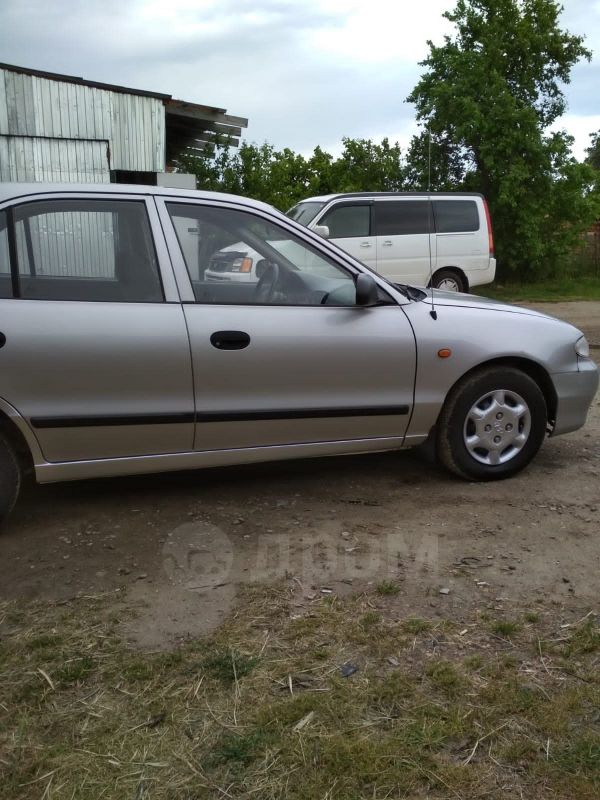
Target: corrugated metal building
63	128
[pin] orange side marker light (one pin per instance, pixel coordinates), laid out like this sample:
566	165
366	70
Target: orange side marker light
445	352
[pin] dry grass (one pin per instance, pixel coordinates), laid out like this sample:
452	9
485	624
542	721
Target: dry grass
261	710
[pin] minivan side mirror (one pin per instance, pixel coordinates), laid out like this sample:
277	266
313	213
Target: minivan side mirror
322	230
366	290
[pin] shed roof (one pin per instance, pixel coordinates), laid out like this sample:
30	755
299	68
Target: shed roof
188	125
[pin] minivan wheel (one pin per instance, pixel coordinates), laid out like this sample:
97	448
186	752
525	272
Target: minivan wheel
492	424
449	281
10	478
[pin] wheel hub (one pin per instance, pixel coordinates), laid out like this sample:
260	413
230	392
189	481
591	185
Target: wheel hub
497	427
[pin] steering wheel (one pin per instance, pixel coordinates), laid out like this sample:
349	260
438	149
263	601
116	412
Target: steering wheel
265	288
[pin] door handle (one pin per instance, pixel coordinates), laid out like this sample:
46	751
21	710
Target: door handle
365	244
230	340
387	244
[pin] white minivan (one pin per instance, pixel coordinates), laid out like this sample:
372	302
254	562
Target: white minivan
435	238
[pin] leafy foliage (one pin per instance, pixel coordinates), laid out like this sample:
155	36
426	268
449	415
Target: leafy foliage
593	151
283	177
487	98
485	101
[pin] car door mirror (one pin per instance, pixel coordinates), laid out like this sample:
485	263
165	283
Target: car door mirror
366	290
322	230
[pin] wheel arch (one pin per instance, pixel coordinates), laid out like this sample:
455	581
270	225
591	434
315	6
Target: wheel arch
451	268
531	368
20	437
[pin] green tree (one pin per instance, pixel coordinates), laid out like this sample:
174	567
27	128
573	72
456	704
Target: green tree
283	177
593	151
365	166
489	95
435	163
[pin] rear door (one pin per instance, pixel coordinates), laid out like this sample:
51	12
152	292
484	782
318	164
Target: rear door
461	233
403	235
350	227
96	355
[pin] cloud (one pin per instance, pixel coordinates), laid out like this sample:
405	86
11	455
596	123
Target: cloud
304	73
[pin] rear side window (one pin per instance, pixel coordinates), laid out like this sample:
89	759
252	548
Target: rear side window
93	250
346	222
5	277
402	217
456	216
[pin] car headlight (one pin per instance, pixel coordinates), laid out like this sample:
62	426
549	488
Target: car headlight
582	347
241	265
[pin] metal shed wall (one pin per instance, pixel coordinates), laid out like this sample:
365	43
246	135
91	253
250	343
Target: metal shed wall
80	122
34	158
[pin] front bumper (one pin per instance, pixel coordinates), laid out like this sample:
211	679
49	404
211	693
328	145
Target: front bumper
575	392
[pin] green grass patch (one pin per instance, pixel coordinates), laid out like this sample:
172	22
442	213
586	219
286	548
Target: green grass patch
415	625
505	627
260	708
584	640
228	666
388	588
552	290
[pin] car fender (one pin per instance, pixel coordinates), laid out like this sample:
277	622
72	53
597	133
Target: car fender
474	337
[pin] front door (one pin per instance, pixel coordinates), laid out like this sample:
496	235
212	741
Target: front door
291	359
349	224
94	357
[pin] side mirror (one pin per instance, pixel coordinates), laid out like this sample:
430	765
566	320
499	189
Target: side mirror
366	290
322	230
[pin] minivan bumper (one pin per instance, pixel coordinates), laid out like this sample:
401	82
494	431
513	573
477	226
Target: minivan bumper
477	277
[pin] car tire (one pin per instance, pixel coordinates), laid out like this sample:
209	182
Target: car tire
10	478
492	424
449	280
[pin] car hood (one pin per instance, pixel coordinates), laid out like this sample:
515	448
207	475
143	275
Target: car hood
474	301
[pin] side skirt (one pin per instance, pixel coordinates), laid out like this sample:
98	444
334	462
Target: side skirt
139	465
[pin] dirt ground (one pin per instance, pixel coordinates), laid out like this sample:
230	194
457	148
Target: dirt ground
176	547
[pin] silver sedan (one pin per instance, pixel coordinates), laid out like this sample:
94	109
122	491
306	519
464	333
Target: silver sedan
118	355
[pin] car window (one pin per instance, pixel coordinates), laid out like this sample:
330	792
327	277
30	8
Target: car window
402	217
5	276
236	257
345	222
455	216
94	250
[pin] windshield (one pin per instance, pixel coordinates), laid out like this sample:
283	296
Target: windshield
304	213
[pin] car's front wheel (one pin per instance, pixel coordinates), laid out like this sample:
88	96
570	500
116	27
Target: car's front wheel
492	424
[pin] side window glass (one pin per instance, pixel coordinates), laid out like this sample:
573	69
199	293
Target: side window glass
5	276
456	216
348	221
402	217
235	257
94	250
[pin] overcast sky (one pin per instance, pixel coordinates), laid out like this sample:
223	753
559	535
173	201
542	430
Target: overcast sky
304	73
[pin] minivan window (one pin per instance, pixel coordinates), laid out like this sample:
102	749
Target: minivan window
402	217
93	250
456	216
345	222
304	213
